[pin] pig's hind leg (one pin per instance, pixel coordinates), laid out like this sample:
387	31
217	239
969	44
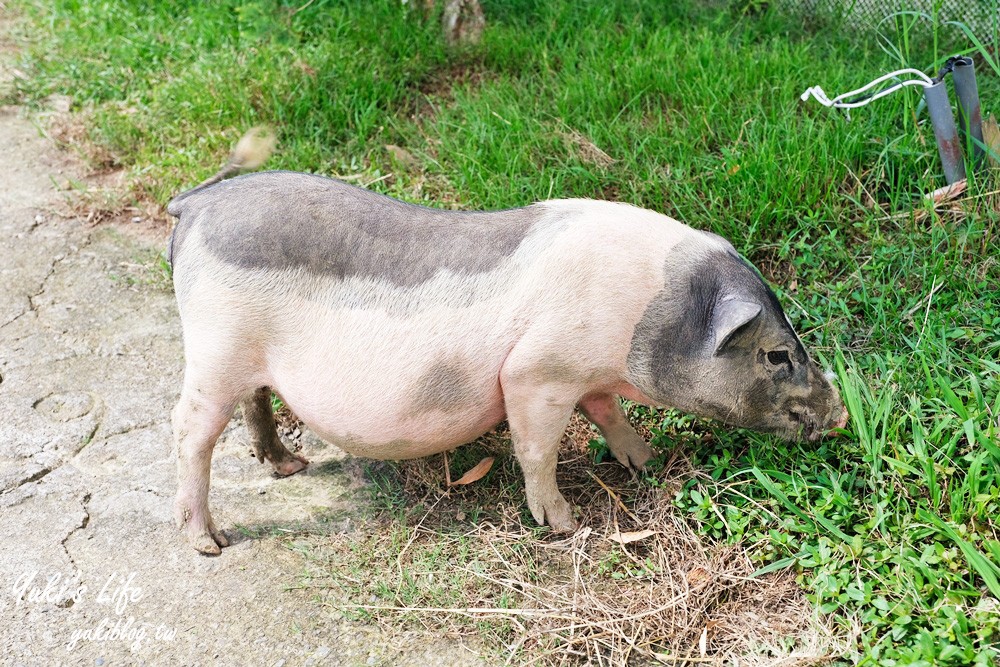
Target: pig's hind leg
198	420
625	444
264	438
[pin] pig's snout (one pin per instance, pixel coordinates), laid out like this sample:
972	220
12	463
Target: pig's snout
839	424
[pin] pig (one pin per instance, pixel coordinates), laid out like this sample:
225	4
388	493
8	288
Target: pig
397	331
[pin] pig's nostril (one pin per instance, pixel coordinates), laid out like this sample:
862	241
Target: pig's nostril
809	426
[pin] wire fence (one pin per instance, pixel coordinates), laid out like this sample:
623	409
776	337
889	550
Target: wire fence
981	17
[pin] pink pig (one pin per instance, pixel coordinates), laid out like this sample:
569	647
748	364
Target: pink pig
397	331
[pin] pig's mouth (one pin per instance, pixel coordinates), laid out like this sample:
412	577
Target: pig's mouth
809	428
806	426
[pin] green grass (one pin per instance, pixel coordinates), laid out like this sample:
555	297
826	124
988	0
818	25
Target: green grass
891	528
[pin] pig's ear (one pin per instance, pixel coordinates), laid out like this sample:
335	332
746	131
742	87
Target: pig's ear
730	316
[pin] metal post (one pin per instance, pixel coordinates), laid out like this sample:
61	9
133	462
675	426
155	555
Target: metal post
970	119
945	132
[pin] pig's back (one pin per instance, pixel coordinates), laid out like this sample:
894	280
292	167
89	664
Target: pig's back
330	229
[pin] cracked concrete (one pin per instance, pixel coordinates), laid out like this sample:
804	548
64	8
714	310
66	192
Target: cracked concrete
90	367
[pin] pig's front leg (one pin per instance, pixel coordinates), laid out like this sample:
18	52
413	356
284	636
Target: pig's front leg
538	417
264	434
197	422
625	444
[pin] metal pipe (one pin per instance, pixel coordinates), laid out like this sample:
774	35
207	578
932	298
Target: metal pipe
945	132
970	119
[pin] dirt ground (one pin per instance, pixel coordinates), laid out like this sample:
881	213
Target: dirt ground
92	569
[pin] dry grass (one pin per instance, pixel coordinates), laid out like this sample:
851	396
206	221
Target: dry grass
471	562
585	149
106	193
71	131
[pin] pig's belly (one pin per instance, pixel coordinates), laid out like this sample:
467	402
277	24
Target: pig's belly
394	388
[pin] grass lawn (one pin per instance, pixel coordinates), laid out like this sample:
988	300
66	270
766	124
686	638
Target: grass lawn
688	108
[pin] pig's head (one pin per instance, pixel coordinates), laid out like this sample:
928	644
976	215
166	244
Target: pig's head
716	342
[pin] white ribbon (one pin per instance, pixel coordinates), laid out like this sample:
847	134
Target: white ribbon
837	102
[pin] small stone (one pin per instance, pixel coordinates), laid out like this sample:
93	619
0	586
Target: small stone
322	652
60	103
99	662
39	218
261	491
137	219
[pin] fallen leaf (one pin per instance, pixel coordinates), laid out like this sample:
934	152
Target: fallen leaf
697	576
947	193
628	538
476	474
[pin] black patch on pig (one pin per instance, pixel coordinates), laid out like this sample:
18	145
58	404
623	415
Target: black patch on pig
445	386
286	220
674	337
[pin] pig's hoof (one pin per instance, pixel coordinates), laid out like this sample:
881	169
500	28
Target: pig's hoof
556	513
631	452
565	524
200	530
290	464
207	539
209	544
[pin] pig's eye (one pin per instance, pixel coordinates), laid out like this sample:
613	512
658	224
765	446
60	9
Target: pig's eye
778	357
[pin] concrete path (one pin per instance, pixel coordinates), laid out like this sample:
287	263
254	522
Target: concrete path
90	367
